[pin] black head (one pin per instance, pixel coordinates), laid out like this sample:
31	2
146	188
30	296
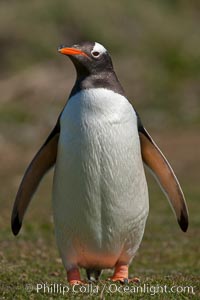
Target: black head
93	66
88	57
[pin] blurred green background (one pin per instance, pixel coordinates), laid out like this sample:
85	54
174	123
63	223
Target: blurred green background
155	46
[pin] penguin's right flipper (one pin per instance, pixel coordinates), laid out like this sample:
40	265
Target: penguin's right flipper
41	163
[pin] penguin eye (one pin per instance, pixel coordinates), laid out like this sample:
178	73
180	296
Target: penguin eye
95	53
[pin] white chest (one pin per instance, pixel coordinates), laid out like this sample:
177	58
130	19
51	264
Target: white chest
99	184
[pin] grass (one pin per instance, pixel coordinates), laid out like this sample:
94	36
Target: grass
155	49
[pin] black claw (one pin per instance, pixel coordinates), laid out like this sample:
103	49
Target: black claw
125	281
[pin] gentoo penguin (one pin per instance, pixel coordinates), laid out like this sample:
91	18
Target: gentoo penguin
100	194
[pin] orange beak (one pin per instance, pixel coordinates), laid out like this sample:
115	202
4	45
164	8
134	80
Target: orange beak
72	51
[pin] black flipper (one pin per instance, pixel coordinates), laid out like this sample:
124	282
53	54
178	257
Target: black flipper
39	166
164	174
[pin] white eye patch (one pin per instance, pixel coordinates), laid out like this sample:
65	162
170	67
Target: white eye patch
98	48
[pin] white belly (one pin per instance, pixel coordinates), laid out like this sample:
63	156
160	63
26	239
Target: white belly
100	197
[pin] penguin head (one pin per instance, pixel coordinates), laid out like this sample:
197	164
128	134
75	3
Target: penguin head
89	58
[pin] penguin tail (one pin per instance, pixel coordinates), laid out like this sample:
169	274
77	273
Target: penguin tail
93	274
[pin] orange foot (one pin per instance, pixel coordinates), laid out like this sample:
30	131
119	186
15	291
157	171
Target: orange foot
73	277
120	274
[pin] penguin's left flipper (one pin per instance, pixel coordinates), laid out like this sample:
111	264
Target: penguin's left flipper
161	169
41	163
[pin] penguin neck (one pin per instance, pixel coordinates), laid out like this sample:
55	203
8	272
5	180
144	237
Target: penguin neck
106	79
